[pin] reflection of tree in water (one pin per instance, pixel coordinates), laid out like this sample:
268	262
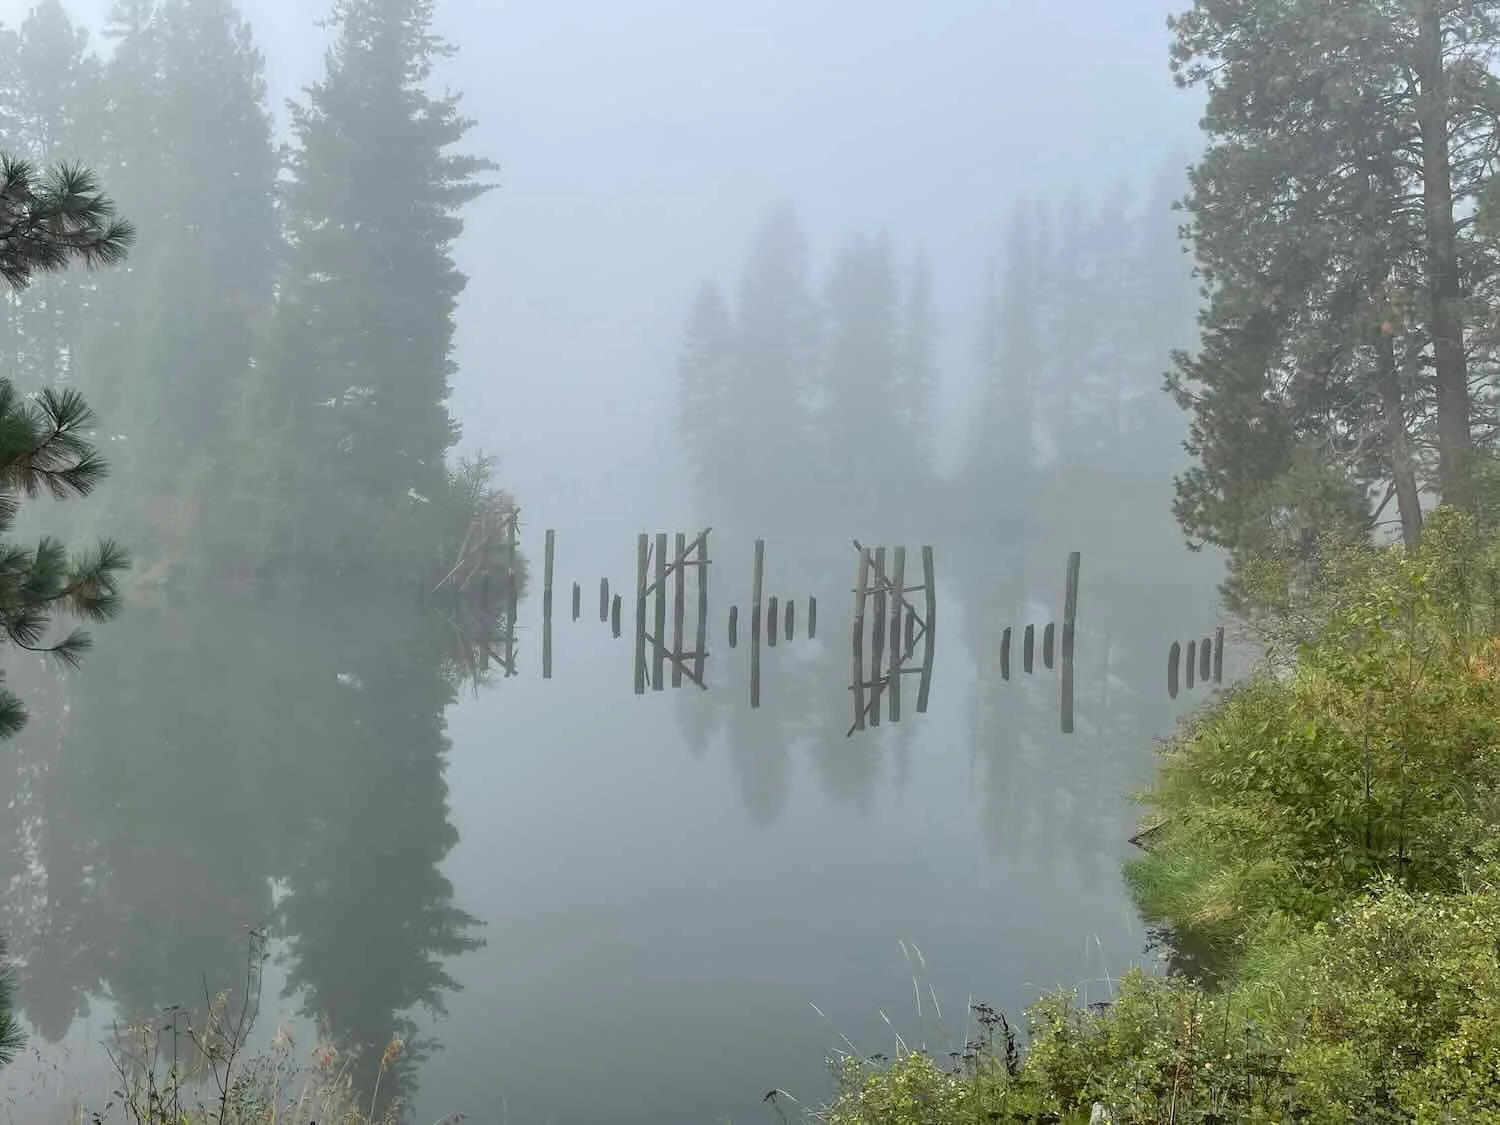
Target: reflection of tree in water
212	748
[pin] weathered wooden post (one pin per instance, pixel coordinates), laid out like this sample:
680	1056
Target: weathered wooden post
1219	655
603	599
679	605
877	638
642	554
614	617
861	581
898	593
1069	632
1190	665
812	618
659	649
700	649
1174	658
772	606
756	580
929	631
547	560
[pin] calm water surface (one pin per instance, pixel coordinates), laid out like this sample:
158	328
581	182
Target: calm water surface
591	906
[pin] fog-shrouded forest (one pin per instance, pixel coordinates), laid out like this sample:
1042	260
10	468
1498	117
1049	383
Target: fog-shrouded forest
393	342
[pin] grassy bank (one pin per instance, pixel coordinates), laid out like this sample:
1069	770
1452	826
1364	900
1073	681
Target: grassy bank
1324	837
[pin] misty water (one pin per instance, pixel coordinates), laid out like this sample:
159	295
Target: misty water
572	902
628	905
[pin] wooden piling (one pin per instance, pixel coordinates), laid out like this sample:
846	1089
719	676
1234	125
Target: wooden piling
772	606
1005	654
577	600
1219	655
861	581
898	587
756	581
548	552
614	616
1028	649
734	626
642	557
791	610
604	599
1205	660
679	607
1049	644
659	649
877	638
700	649
929	631
1069	635
1190	665
812	618
1174	659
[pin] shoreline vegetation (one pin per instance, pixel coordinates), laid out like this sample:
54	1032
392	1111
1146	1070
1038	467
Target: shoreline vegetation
1323	849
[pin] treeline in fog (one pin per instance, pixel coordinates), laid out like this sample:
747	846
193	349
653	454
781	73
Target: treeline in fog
271	369
807	395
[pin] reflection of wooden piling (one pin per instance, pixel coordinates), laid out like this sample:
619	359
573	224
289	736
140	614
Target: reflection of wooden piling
861	583
679	607
642	554
929	631
1070	619
898	589
700	649
756	581
547	556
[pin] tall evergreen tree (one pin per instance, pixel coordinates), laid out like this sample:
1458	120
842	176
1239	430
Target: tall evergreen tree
770	446
47	221
51	114
860	378
1331	219
705	374
916	376
358	369
201	294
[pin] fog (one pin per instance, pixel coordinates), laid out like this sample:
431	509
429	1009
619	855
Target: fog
617	904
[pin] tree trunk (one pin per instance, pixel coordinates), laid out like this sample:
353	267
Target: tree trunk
1443	282
1403	475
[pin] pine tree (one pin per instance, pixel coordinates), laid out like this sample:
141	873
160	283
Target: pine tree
770	446
1326	216
860	377
359	365
203	290
705	371
52	110
915	374
49	220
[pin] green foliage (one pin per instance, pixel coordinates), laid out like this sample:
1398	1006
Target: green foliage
11	1037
